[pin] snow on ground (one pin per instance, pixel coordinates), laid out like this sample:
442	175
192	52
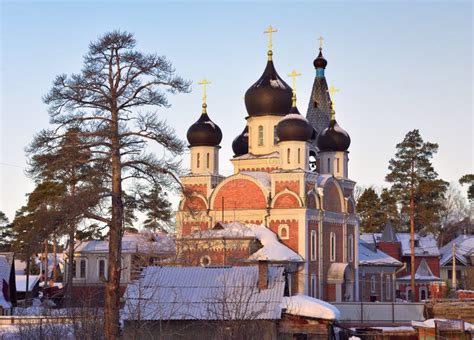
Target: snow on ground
304	305
430	323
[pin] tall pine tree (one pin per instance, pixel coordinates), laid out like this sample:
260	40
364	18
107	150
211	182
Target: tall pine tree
370	211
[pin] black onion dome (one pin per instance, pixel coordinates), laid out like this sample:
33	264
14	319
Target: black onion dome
204	132
240	145
334	138
270	95
320	62
294	127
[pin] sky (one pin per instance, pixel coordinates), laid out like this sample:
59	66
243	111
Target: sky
399	65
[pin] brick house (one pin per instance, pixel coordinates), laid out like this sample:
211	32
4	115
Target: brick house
427	255
290	175
464	257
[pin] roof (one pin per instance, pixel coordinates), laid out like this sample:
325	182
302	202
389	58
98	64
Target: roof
21	282
423	273
204	293
375	257
145	242
274	154
336	272
427	245
272	249
304	305
464	249
388	234
263	177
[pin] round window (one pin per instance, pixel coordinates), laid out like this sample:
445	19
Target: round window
205	261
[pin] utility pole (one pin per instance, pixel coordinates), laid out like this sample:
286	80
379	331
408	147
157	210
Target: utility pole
453	280
412	240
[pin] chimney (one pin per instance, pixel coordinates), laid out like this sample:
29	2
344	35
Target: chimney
262	274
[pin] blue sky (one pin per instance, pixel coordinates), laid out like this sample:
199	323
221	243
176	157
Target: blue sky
400	65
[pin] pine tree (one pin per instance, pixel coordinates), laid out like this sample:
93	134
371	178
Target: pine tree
6	233
468	179
370	211
388	206
158	209
413	176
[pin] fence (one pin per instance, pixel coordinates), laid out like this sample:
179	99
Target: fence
385	312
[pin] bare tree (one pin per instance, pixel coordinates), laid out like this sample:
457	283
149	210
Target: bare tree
103	102
455	205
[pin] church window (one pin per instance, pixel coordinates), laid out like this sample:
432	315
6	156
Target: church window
275	135
388	287
313	285
260	135
332	247
288	155
313	245
207	160
299	155
329	165
337	160
372	284
315	104
205	261
198	160
283	232
350	248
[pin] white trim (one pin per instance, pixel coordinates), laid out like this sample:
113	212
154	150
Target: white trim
203	258
373	288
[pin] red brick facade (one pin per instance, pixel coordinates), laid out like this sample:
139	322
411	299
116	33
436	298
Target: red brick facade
240	194
290	185
286	201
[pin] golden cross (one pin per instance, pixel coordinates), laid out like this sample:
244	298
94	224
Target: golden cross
204	83
293	75
332	90
270	30
321	39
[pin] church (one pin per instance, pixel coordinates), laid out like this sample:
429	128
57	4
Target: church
290	175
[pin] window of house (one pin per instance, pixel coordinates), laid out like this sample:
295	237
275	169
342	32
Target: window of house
423	293
283	232
313	285
198	160
350	248
313	245
275	135
82	268
450	274
205	261
409	294
260	135
372	284
101	268
74	269
207	160
329	165
288	155
388	287
332	247
299	156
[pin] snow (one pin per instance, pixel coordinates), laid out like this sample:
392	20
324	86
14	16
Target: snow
430	323
369	257
464	246
277	83
211	123
5	268
294	116
427	245
395	329
21	282
263	177
354	338
274	154
304	305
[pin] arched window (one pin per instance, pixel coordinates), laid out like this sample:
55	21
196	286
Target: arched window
101	269
313	247
313	285
299	156
207	160
198	160
372	284
337	160
350	248
329	164
288	155
332	247
283	232
423	293
82	268
275	135
260	135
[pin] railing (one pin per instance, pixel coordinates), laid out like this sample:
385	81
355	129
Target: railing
384	312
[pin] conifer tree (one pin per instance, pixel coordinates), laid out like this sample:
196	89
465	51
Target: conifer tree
370	211
469	180
111	101
6	232
388	206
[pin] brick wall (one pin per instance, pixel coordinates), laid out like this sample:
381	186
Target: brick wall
394	249
290	185
331	199
197	188
292	241
240	194
287	201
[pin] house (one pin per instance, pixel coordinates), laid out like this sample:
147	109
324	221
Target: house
427	254
221	302
463	246
21	287
8	297
377	274
138	250
290	174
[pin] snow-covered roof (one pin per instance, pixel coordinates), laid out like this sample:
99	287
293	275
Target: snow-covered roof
263	177
21	282
430	323
5	269
145	242
367	256
427	245
464	248
272	249
423	273
204	293
249	155
304	305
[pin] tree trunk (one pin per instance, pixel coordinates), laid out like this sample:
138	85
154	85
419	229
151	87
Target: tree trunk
112	288
412	242
55	261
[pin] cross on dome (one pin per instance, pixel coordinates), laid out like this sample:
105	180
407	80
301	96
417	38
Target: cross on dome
321	39
293	76
270	30
204	83
331	91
